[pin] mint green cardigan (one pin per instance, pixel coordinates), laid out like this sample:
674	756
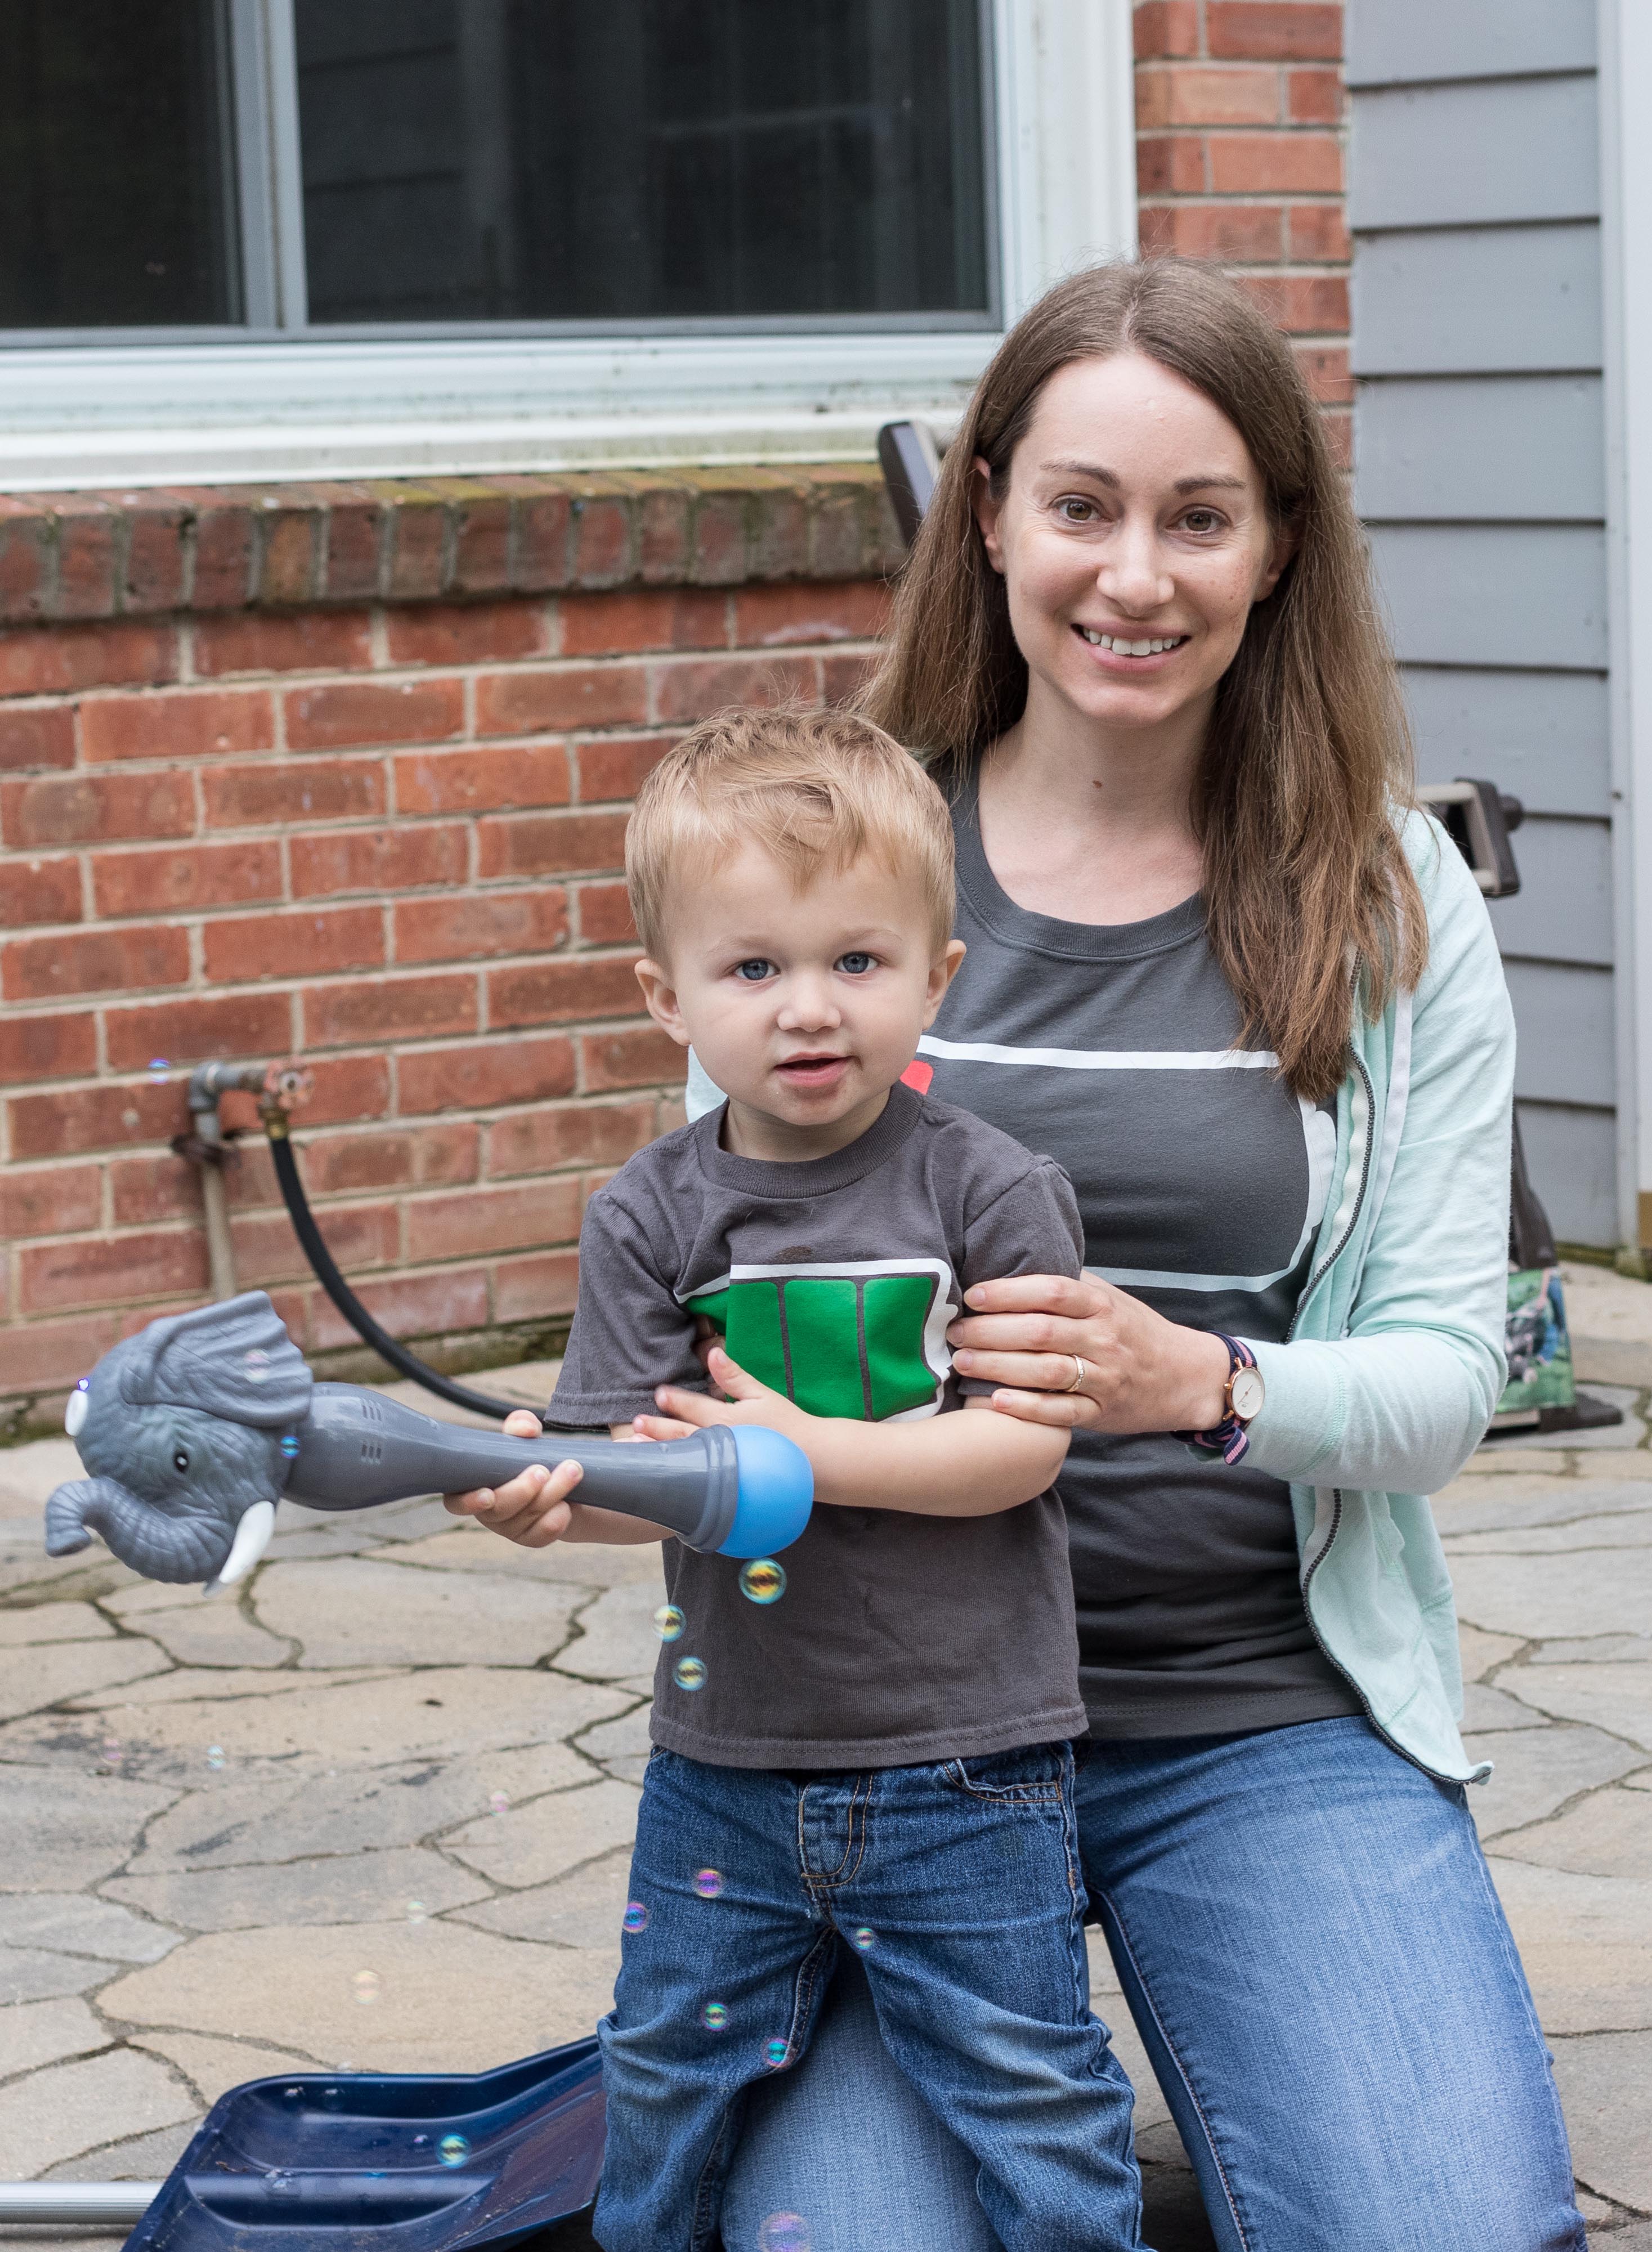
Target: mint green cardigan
1394	1365
1395	1360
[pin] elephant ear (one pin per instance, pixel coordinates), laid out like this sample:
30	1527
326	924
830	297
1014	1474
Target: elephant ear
233	1360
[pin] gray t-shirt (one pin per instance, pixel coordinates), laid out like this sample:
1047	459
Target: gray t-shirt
1202	1181
899	1638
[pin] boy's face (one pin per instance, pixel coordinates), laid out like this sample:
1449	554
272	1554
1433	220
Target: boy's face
805	1007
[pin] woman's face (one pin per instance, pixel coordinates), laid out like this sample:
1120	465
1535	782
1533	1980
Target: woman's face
1133	540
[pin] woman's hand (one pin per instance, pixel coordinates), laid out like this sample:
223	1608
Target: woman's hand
533	1508
1141	1373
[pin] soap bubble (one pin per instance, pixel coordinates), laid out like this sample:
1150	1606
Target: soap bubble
783	2231
862	1938
256	1363
280	2183
292	2093
366	1985
114	1751
669	1621
715	2014
497	1800
215	1756
708	1883
636	1916
158	1067
417	1912
762	1580
419	2141
452	2150
689	1674
776	2052
289	1446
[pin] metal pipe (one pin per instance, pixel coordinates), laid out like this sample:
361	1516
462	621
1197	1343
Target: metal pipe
93	2204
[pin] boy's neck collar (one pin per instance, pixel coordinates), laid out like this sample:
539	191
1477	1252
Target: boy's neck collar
805	1177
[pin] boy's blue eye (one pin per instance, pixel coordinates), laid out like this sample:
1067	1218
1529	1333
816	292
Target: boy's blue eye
855	965
755	970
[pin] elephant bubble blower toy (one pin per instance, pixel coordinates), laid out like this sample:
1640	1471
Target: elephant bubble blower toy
192	1430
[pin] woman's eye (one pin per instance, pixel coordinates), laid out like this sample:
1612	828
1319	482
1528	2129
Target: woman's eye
1201	520
1073	510
855	965
755	970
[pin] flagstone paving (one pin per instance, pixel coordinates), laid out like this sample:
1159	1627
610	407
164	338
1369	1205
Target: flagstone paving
372	1809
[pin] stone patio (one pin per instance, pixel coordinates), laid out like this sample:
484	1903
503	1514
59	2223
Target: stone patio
375	1812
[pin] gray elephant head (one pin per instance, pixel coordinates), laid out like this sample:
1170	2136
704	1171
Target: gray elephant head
181	1429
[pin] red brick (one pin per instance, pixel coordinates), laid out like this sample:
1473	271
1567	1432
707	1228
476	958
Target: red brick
216	723
53	1353
528	1290
323	790
601	528
299	641
425	1156
247	1025
663	534
1315	97
550	1136
1252	164
355	535
781	548
604	914
341	714
840	532
224	547
550	844
1274	30
1327	369
614	766
1170	165
249	1177
543	520
410	1306
478	782
388	1009
1166	27
112	1270
39	890
467	633
380	859
1194	94
682	617
289	546
484	1075
152	577
640	1055
574	696
36	1048
719	540
95	809
87	529
149	1190
1234	234
696	686
48	660
482	544
94	962
769	617
1301	305
36	735
358	1235
25	558
843	677
79	1119
179	877
49	1200
1319	231
418	544
555	992
481	923
344	1090
482	1219
304	945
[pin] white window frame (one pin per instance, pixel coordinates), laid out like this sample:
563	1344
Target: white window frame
262	405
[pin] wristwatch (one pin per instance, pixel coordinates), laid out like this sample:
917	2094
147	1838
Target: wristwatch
1242	1398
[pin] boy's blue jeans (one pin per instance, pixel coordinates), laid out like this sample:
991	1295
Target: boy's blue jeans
959	1885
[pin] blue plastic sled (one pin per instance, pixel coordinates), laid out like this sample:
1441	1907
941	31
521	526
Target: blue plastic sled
361	2162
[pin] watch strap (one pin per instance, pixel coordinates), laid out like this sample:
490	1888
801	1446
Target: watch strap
1229	1438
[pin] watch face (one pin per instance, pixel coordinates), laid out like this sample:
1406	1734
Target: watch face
1247	1392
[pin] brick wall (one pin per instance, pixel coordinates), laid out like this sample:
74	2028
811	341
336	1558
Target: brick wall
1240	158
343	769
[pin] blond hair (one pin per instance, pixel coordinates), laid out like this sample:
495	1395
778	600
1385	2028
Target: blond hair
1307	756
816	789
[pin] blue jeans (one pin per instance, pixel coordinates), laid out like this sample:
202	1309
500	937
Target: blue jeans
959	1885
1306	1931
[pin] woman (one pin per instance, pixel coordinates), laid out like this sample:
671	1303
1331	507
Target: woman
1254	1006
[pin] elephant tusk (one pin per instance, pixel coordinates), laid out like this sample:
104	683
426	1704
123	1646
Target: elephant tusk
251	1538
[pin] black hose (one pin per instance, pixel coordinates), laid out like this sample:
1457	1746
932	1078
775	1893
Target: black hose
349	1305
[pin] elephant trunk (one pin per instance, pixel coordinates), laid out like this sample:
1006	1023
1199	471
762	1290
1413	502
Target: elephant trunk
172	1548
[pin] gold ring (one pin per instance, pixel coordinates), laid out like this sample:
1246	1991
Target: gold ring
1079	1372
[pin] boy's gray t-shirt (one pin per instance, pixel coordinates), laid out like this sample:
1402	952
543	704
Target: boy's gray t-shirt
899	1638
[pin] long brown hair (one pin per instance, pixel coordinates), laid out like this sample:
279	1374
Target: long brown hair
1309	754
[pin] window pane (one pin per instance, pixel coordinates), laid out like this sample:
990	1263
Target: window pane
625	159
116	196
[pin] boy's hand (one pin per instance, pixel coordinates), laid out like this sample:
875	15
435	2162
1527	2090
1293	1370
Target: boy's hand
532	1509
745	1401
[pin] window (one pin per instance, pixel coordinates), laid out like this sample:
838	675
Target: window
523	233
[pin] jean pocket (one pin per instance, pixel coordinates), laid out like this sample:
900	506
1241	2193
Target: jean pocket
1038	1775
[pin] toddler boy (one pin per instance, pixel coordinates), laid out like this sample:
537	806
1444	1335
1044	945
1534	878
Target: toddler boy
879	1753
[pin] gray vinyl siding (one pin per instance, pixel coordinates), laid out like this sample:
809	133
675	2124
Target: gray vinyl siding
1480	468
